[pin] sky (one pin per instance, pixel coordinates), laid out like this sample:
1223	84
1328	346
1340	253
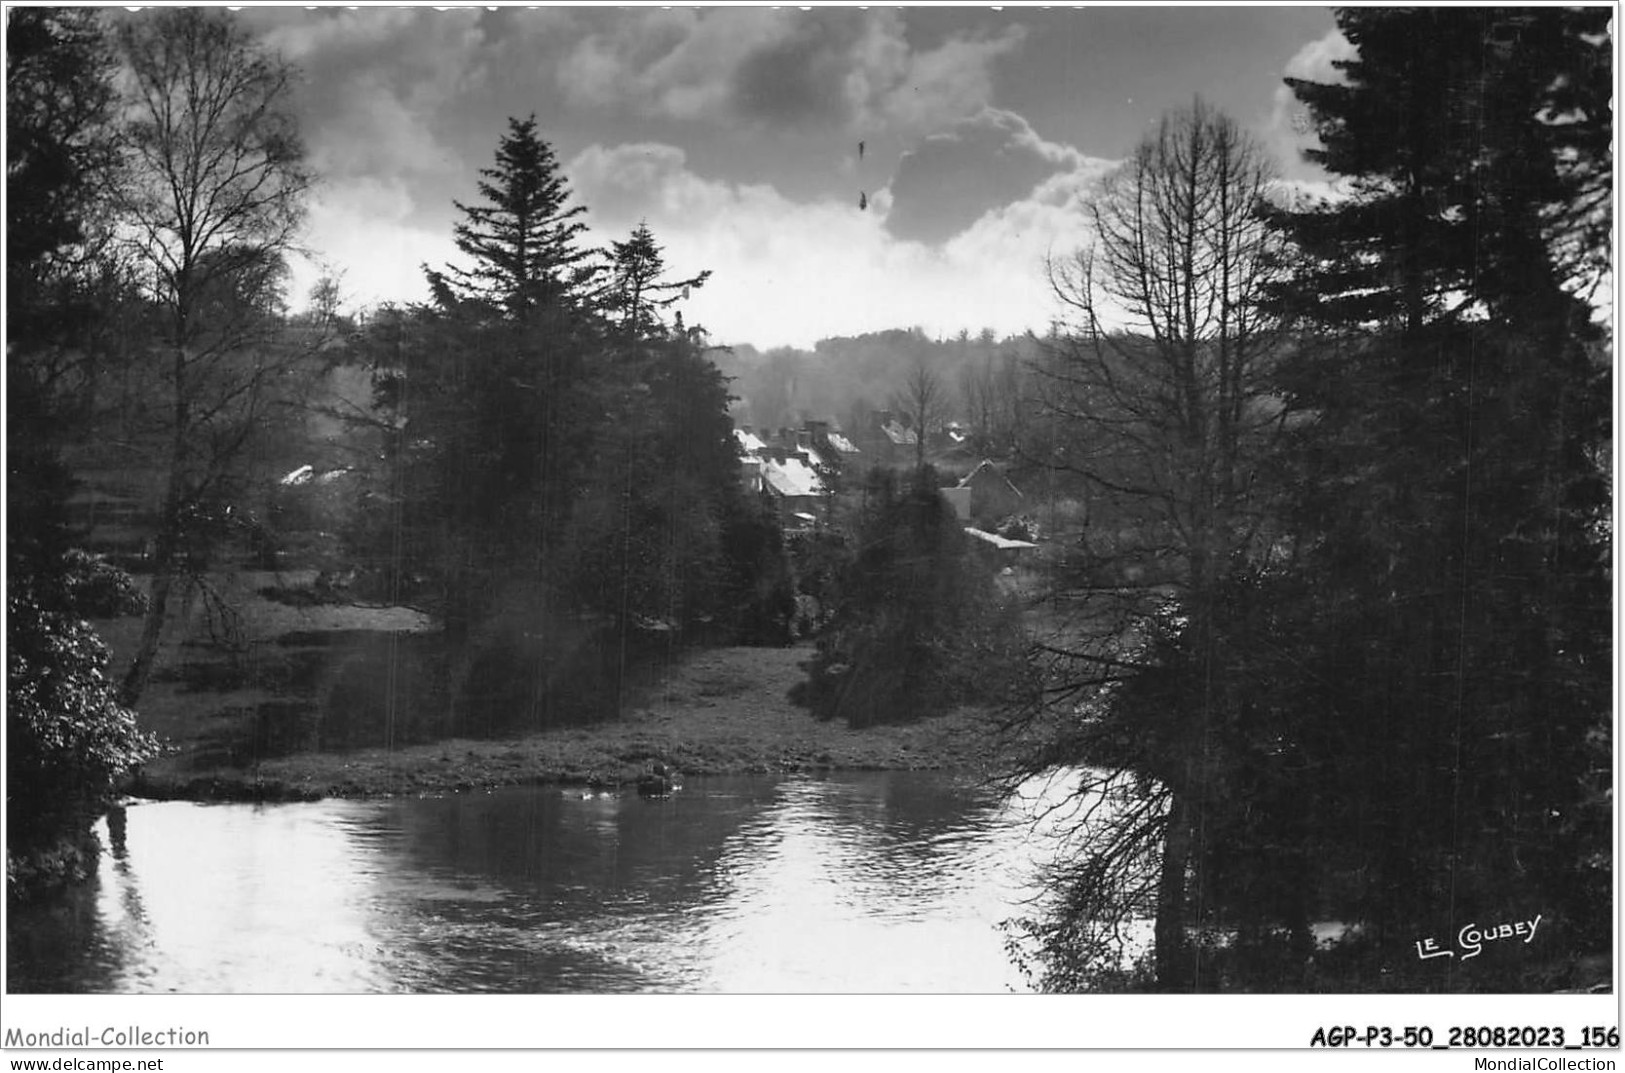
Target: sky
838	169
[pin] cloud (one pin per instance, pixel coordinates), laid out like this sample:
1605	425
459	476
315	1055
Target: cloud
820	68
364	232
670	63
799	80
1289	130
644	180
940	86
1315	61
953	178
378	84
785	270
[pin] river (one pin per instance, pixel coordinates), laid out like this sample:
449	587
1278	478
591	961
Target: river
846	883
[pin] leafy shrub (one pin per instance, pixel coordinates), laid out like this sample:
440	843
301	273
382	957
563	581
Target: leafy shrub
68	740
920	628
95	588
1019	528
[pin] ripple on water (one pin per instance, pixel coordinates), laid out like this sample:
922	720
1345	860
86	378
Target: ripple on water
860	883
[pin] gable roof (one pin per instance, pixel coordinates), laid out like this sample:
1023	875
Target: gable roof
987	470
899	435
842	444
1002	543
791	477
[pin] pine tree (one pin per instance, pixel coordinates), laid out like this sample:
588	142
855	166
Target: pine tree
524	242
1477	144
494	394
639	289
61	164
1450	505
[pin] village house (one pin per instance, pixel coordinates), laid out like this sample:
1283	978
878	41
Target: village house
992	495
786	471
999	550
887	439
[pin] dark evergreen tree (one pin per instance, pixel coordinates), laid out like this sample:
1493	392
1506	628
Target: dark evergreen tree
639	289
61	168
68	739
493	396
1477	143
921	626
559	462
1451	508
524	243
647	550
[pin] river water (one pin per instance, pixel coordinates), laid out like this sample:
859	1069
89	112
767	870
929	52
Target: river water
849	883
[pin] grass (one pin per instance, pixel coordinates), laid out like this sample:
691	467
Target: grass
279	702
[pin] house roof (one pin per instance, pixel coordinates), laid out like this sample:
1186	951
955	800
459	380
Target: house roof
749	442
842	444
987	470
898	434
791	477
1002	543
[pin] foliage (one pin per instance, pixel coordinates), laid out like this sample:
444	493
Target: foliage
647	540
639	289
63	176
560	480
61	164
1168	423
213	201
1390	705
68	740
97	589
849	378
920	627
524	244
758	586
487	399
1477	143
1464	572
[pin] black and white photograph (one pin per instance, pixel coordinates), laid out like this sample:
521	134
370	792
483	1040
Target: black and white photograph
1112	502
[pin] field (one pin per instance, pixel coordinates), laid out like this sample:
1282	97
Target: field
271	701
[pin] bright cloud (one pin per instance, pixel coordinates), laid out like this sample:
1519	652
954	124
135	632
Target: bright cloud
362	231
784	271
988	160
1289	130
737	133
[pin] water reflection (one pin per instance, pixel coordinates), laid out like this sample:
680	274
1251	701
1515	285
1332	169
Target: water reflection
858	883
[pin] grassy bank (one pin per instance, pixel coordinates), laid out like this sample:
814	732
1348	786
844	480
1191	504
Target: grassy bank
722	711
289	702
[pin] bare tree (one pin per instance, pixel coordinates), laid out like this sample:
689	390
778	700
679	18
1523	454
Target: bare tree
921	398
215	197
992	394
1156	393
976	397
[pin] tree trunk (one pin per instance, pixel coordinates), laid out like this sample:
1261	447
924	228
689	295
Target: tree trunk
167	547
1170	957
152	628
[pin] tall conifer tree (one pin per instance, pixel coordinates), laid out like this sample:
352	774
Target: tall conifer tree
1450	506
524	243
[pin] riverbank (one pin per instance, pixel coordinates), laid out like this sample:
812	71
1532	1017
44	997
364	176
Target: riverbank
714	712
